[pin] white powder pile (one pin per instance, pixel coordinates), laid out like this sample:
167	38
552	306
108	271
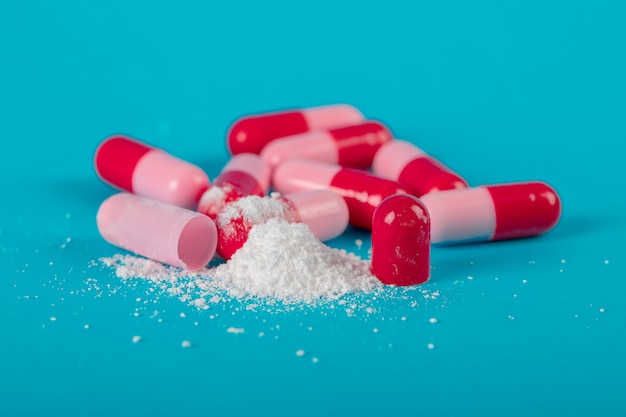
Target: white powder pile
280	261
285	261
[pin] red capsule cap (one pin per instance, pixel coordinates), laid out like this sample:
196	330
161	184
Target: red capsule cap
252	133
524	209
116	158
401	241
426	175
357	145
363	192
240	183
231	238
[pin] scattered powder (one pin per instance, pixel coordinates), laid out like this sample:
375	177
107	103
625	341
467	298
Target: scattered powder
235	330
432	320
136	339
185	344
300	352
280	262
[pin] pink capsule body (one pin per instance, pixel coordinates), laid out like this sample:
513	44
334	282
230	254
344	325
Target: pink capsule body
159	231
251	133
401	241
245	174
133	166
406	163
349	146
324	212
361	190
492	212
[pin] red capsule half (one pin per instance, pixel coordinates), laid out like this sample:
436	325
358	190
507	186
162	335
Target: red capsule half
401	241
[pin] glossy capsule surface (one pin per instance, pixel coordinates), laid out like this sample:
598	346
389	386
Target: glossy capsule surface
324	212
404	162
492	212
245	174
401	241
349	146
173	235
251	133
130	165
361	190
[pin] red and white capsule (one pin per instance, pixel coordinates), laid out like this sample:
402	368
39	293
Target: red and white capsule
349	146
404	162
163	232
401	241
361	190
324	212
492	212
251	133
130	165
245	174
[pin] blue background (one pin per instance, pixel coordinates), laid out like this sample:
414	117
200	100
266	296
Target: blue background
499	91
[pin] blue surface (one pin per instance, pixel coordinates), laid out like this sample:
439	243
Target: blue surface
499	91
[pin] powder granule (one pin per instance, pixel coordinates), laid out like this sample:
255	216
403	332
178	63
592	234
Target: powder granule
285	261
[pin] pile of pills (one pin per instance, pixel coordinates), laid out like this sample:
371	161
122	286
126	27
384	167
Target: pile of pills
326	167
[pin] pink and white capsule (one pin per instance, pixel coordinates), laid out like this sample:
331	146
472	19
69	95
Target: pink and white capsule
492	212
245	174
361	190
130	165
349	146
159	231
325	212
404	162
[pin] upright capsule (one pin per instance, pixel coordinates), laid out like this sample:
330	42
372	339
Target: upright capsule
245	174
361	190
130	165
401	241
492	212
163	232
325	212
349	146
404	162
251	133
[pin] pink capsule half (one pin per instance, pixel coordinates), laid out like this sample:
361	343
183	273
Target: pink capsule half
401	241
159	231
492	212
130	165
361	190
324	212
349	146
404	162
245	174
251	133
